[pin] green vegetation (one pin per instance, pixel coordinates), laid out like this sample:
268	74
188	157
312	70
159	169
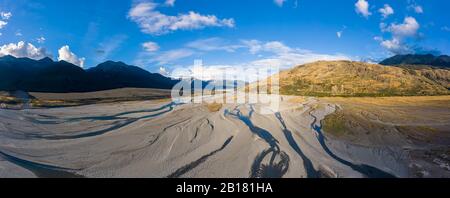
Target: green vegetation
334	124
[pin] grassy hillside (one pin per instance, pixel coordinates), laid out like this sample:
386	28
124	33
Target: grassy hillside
439	75
345	78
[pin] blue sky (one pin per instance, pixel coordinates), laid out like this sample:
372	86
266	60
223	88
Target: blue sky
163	35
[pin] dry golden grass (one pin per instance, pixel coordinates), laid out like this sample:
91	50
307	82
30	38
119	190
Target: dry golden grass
345	78
297	99
6	98
9	100
52	103
441	101
421	118
163	100
214	107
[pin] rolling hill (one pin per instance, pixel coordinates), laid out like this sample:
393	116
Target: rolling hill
345	78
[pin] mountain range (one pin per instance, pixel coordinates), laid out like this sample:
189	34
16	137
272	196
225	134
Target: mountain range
418	59
395	76
46	75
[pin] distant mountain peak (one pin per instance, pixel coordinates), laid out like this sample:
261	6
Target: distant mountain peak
112	62
8	57
46	60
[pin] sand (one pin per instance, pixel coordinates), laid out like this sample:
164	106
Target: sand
158	139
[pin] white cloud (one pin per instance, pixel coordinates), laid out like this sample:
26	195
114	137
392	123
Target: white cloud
279	2
408	28
3	24
213	44
386	11
170	3
400	32
66	55
150	46
254	46
154	22
415	7
277	47
395	46
362	7
41	39
22	49
5	15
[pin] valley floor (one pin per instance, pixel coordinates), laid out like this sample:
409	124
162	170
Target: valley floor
164	139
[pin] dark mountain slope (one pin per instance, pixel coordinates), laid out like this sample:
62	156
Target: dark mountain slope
60	77
411	59
110	75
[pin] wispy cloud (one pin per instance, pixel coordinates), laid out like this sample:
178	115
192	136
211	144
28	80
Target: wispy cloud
150	46
256	46
170	3
3	24
340	33
278	55
213	44
267	54
4	17
173	55
41	40
279	2
418	9
109	46
445	28
146	58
